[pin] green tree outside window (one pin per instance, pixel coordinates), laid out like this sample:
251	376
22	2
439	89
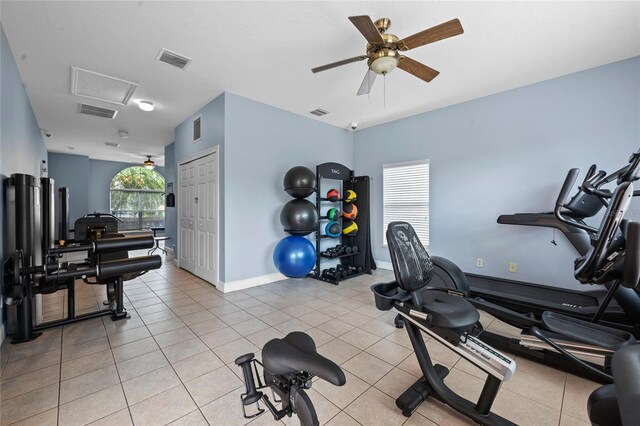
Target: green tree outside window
137	197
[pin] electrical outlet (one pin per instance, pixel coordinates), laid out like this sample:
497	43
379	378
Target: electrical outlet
513	267
479	262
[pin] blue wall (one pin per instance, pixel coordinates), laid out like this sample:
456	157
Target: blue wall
72	171
508	153
258	144
21	146
88	182
262	143
171	212
212	134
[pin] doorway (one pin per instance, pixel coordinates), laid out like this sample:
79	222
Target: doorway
198	214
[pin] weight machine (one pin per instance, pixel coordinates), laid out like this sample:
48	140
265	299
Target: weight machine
34	264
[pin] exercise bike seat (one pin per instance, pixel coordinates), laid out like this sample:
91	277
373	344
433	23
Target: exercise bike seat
413	269
297	352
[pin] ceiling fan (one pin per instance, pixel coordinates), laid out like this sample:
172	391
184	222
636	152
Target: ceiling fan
383	50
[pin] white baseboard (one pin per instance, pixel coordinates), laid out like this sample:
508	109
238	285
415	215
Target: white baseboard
249	282
169	250
384	265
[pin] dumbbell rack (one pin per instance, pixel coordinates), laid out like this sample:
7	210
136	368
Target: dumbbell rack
347	180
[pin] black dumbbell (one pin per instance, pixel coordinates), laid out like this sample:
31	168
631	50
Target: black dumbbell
343	270
331	274
354	249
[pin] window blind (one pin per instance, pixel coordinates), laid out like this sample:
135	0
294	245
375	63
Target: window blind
406	197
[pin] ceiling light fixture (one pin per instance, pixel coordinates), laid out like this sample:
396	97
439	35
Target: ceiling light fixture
148	164
383	61
146	105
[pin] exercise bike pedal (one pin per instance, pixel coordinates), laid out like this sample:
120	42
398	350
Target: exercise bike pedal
417	393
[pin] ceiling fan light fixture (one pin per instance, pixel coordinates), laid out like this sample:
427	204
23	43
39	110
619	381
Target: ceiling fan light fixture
383	61
148	163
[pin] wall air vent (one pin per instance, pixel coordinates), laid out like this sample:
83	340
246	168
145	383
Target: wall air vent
319	112
172	58
197	129
97	111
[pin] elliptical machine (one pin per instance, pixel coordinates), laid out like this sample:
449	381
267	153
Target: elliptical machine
555	339
619	403
569	218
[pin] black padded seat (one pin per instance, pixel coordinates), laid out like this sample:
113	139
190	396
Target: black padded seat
297	352
449	311
413	269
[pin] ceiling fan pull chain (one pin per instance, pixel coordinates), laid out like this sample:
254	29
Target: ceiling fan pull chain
384	97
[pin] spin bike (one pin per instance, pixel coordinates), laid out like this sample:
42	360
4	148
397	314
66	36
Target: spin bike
289	365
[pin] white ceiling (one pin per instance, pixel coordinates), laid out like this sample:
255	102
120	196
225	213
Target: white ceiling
265	50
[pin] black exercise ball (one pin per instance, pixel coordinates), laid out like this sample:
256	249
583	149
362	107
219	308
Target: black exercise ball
299	182
299	217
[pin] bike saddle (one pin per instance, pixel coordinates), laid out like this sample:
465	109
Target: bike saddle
297	352
413	269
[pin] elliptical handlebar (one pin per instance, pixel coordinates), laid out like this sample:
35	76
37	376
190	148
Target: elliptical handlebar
587	266
631	274
566	187
560	203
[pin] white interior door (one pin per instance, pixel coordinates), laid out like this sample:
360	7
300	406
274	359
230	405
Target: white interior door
206	217
198	202
186	197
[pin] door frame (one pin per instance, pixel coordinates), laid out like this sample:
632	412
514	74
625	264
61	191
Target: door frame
200	154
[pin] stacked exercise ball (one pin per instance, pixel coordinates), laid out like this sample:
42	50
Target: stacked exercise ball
295	256
299	182
299	217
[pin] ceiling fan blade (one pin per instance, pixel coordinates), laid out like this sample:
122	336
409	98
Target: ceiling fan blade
439	32
421	71
367	83
365	25
339	63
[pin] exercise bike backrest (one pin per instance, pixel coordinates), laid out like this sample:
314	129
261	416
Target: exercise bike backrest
413	268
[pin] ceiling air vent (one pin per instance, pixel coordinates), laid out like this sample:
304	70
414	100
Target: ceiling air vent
172	58
112	144
319	112
93	85
97	111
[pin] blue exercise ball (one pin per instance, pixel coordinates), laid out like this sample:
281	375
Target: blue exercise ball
294	256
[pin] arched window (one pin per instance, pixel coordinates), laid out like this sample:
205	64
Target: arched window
137	197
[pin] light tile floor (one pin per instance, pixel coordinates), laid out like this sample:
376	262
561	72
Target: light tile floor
172	362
